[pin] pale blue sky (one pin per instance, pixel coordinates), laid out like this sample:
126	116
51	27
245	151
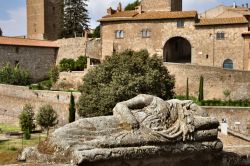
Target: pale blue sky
13	12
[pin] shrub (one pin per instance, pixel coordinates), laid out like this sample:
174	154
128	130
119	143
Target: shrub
14	75
71	65
26	120
72	110
67	64
54	74
81	63
121	77
47	117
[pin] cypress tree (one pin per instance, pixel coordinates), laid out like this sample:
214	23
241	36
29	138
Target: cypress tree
72	110
76	18
201	93
1	32
187	90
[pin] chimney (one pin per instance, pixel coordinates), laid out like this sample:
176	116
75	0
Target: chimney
234	4
139	9
119	8
110	11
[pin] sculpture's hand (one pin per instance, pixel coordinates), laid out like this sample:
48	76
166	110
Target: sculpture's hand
125	116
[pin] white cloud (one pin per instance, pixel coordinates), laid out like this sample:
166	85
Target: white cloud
16	24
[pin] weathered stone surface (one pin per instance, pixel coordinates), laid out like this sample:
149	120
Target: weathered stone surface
142	127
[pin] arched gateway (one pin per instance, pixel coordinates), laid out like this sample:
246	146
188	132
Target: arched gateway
177	50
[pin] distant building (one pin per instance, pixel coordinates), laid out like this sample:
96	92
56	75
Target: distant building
44	19
35	56
220	37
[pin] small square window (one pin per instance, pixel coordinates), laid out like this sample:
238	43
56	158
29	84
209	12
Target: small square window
146	33
180	24
119	34
220	35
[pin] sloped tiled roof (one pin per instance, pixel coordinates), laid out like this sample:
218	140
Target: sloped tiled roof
152	15
26	42
222	21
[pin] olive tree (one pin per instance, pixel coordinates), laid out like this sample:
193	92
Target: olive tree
47	117
121	77
26	120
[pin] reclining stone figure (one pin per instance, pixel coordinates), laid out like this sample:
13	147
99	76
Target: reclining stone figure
142	126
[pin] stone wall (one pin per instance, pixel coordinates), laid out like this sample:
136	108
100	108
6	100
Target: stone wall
75	47
13	98
216	81
238	119
36	60
70	80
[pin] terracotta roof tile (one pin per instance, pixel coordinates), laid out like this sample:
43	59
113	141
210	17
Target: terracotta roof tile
152	15
26	42
222	21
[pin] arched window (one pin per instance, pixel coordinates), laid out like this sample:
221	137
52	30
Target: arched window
228	64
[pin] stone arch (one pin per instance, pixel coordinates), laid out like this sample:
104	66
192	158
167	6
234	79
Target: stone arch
178	50
228	64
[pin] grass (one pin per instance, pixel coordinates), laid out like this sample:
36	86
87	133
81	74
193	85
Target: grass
11	148
5	128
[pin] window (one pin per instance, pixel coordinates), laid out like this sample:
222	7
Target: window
180	24
16	63
228	64
220	35
146	33
17	50
119	34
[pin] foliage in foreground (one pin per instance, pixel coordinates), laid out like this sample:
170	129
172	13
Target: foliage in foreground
26	120
47	117
14	75
121	77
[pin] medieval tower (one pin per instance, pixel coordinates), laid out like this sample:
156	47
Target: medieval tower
161	5
44	19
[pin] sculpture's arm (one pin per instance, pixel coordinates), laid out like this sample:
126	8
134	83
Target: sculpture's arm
122	110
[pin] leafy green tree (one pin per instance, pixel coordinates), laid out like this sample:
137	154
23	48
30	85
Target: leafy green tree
72	109
76	17
187	90
14	75
67	64
26	120
54	74
81	63
132	6
47	117
201	89
97	32
121	77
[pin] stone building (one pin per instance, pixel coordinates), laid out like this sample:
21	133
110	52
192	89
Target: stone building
179	36
36	56
44	19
